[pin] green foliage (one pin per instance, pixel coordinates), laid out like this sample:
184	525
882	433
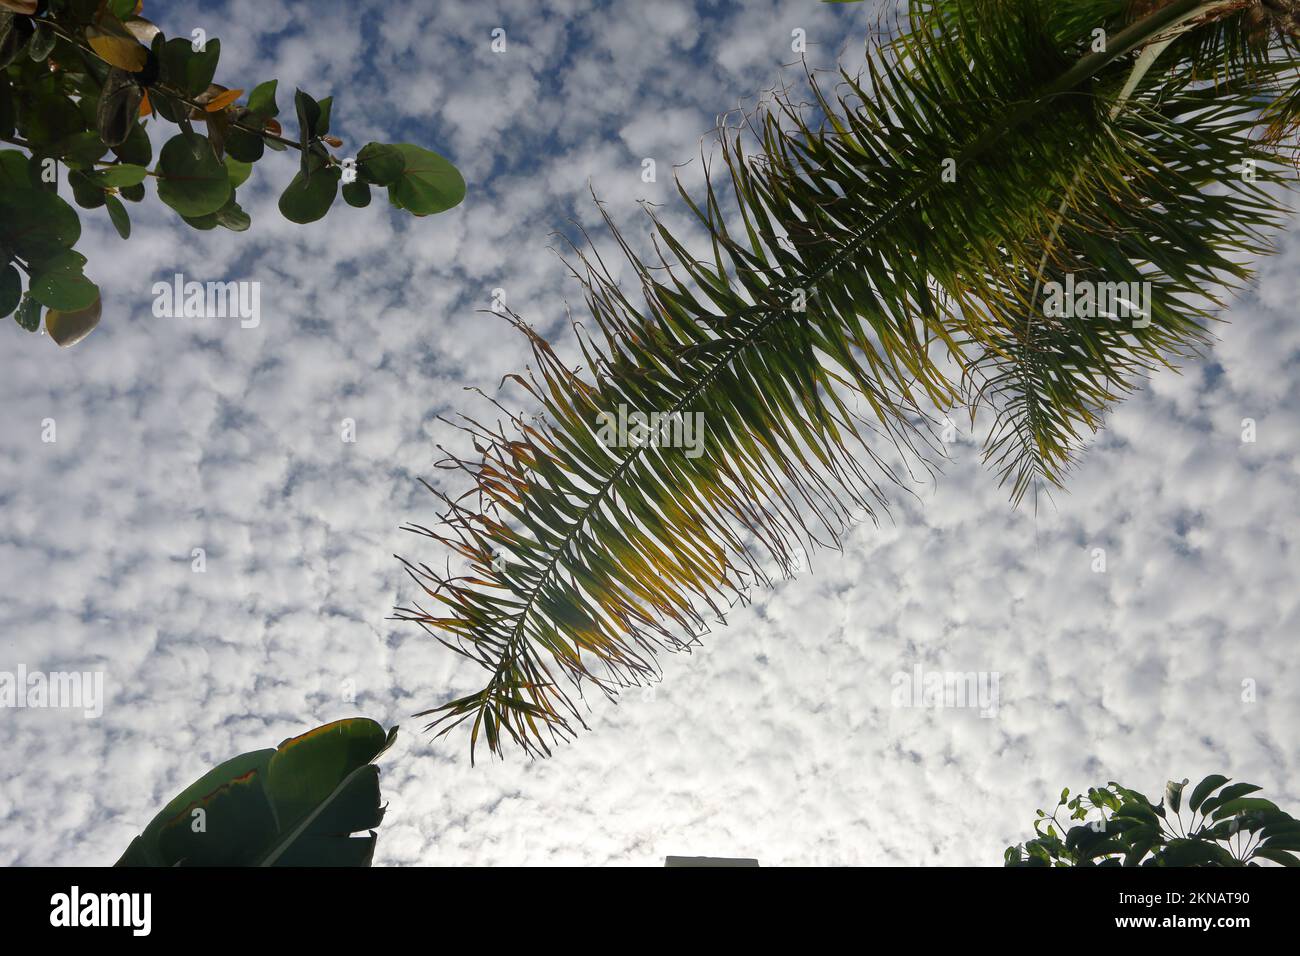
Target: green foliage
80	80
1115	826
426	183
296	805
191	179
874	256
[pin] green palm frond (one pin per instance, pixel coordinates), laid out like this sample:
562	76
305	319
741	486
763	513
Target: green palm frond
886	257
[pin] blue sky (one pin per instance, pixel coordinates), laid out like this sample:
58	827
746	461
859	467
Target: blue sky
778	740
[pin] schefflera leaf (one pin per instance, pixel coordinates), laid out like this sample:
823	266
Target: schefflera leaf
296	805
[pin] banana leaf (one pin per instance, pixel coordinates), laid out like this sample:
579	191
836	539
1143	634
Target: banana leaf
295	805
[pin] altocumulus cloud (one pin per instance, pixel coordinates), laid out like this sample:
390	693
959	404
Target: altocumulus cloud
781	738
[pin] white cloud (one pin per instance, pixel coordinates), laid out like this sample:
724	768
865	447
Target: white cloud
778	739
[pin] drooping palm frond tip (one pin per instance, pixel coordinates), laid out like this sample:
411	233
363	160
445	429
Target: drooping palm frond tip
889	255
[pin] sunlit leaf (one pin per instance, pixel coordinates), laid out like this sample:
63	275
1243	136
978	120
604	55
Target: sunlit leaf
122	174
66	329
222	100
116	45
239	171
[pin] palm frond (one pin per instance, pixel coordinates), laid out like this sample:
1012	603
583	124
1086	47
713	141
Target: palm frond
885	256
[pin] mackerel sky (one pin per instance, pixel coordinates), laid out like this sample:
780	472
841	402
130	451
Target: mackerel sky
781	738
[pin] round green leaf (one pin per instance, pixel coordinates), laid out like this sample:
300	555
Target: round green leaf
191	70
380	163
190	177
203	223
357	193
15	171
137	149
428	183
79	151
11	289
167	107
239	171
306	200
85	191
244	146
65	291
37	224
47	112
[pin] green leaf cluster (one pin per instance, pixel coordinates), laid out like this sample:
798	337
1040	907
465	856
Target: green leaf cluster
1214	825
79	83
